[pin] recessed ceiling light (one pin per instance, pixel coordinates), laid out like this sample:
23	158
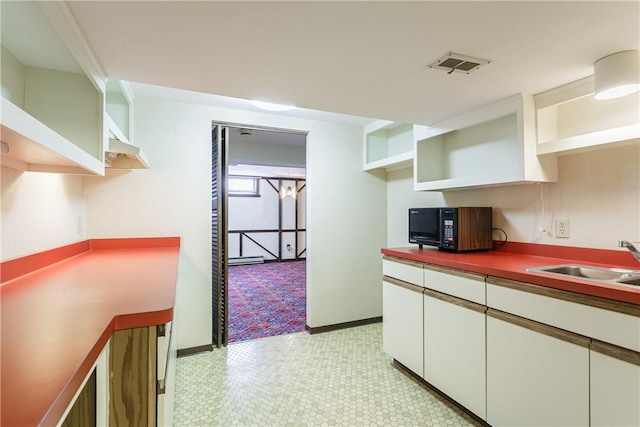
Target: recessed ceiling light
270	106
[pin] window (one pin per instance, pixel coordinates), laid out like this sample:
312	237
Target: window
248	186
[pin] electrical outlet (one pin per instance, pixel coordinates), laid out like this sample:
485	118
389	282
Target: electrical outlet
563	229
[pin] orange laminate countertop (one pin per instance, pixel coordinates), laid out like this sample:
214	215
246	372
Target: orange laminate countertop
59	309
512	261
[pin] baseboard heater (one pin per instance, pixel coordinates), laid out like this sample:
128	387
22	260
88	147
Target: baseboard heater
246	260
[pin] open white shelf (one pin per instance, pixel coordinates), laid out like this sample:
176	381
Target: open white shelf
388	145
119	108
35	147
570	119
52	105
493	145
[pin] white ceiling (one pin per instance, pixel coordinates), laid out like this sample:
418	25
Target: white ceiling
360	58
357	58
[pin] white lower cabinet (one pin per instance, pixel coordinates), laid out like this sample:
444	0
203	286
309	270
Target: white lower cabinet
534	378
518	354
454	350
402	323
615	390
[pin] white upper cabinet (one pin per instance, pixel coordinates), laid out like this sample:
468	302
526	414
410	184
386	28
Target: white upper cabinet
120	152
388	145
493	145
119	110
52	102
570	119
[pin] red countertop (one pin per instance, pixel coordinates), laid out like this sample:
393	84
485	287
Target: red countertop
59	308
512	260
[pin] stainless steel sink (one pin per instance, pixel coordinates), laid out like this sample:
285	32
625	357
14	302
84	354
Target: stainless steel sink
632	282
621	276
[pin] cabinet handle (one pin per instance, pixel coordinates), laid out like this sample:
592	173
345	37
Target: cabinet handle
456	301
576	339
162	330
403	284
616	352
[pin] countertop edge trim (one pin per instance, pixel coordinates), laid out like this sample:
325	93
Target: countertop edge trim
607	293
120	322
65	398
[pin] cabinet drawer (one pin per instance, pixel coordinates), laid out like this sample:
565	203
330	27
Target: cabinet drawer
408	271
457	283
606	325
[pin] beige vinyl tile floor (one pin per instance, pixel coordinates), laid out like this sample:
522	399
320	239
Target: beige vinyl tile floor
340	378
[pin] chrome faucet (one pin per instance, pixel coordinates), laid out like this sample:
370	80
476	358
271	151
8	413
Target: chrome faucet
627	244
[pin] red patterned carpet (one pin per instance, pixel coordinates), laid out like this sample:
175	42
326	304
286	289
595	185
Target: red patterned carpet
266	300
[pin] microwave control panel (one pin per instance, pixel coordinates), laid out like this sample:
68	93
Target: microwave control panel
448	230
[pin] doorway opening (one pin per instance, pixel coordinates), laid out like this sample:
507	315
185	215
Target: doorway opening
259	277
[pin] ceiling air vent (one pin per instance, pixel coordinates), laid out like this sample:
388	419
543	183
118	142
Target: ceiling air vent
459	63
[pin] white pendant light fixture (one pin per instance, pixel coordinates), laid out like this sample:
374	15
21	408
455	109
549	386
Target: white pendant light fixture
617	75
270	106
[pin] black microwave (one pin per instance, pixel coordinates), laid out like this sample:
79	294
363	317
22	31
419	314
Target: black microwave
457	229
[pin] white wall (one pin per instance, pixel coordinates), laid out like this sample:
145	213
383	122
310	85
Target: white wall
598	191
345	210
40	211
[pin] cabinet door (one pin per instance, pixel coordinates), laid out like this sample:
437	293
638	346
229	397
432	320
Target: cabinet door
133	365
83	411
615	390
454	350
534	378
402	323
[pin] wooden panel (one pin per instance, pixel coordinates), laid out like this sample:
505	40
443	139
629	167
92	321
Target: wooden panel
133	377
83	411
474	228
